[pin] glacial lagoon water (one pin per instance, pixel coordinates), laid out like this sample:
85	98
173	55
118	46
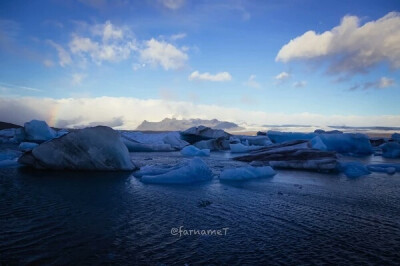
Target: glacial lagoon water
295	217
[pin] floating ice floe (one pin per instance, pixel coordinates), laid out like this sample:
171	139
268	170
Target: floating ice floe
148	142
194	151
279	137
213	144
196	134
246	173
348	143
353	169
241	148
27	146
96	148
9	158
391	150
185	173
12	135
389	168
261	140
293	155
396	137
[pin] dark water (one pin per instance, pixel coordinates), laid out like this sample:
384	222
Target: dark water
293	218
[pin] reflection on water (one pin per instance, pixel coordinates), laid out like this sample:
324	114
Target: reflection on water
110	218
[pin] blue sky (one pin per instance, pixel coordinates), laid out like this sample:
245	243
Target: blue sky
254	61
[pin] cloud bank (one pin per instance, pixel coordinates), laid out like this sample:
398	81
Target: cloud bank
128	113
350	47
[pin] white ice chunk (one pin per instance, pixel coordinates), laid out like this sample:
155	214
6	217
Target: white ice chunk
194	151
245	173
190	172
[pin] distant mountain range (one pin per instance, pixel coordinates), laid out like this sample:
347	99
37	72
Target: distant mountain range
170	124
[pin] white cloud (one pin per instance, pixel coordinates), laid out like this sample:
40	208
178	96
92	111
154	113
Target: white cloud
48	63
251	82
13	87
164	54
177	36
72	112
381	83
77	78
282	76
106	43
350	47
385	82
108	31
172	4
221	76
63	56
299	84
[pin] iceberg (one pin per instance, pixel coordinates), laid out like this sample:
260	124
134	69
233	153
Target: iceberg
293	155
389	168
38	131
196	134
194	151
189	172
9	158
348	143
279	137
391	150
396	137
240	148
95	148
149	142
213	144
27	146
246	173
317	143
313	164
133	146
353	169
261	140
12	135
